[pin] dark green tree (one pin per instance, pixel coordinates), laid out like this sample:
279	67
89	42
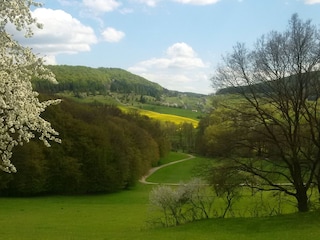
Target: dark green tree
103	150
32	177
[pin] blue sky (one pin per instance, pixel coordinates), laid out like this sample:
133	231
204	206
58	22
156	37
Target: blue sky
176	43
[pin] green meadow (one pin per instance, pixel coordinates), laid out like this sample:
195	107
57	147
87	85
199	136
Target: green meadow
180	172
124	215
172	157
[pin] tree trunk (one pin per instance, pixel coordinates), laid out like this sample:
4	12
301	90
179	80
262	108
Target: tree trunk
318	183
302	199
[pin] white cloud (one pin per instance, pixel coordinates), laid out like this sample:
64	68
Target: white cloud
126	10
312	1
67	2
180	69
112	35
153	3
197	2
61	33
150	3
102	5
180	50
179	55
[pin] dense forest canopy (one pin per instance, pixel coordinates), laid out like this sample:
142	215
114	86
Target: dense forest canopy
102	150
97	81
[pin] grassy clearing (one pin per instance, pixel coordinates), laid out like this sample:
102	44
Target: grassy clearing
172	157
123	216
286	227
116	216
180	172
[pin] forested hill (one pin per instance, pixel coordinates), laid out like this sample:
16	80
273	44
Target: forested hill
308	79
102	81
79	79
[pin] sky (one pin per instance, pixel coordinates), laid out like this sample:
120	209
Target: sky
176	43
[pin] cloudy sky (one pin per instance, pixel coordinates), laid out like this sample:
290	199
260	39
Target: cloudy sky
176	43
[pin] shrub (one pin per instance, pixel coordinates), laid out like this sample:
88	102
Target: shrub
185	203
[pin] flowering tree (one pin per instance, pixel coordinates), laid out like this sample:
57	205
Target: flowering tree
187	202
20	108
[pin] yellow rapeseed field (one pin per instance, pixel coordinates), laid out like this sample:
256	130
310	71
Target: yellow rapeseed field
162	117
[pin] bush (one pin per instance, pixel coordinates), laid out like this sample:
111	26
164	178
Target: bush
185	203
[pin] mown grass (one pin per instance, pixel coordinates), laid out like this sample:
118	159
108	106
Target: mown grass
115	216
124	215
172	157
286	227
180	172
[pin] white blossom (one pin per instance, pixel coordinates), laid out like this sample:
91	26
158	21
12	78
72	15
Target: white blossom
20	108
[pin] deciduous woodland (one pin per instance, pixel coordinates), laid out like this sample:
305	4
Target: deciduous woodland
103	150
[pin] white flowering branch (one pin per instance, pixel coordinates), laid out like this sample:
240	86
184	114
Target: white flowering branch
20	108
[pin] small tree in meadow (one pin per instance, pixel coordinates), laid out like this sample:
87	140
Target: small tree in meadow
185	203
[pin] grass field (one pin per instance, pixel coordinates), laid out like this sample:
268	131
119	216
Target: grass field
176	173
171	157
123	216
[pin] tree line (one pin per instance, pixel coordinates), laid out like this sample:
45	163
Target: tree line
103	150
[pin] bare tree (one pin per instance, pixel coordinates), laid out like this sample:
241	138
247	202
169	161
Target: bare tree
279	83
226	181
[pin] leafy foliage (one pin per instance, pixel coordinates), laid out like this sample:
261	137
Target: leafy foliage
103	150
80	79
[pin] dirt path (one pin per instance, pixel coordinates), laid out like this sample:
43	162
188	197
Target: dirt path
153	170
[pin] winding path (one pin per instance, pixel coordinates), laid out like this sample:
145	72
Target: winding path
153	170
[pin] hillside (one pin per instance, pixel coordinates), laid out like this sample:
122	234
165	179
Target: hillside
81	79
120	87
311	81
